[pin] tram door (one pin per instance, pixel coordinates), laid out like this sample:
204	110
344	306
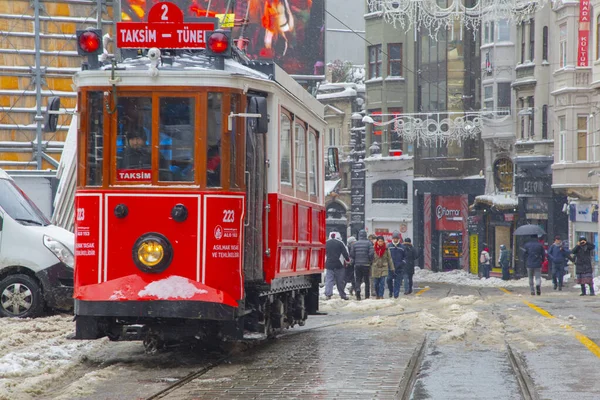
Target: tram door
255	174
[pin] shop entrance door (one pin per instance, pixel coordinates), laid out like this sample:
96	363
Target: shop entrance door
451	250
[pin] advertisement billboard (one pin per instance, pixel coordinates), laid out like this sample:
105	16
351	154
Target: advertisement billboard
288	32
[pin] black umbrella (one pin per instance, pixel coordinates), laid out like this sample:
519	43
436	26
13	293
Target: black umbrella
528	230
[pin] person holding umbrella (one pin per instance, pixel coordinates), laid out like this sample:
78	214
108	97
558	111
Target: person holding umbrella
583	265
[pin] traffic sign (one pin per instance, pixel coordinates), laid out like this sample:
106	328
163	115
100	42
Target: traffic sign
165	29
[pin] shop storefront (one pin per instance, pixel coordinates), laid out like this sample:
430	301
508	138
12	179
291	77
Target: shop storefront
538	203
443	208
583	221
496	219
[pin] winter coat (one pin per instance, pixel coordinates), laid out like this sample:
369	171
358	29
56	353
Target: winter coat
583	258
382	264
334	251
411	255
559	256
504	259
361	251
534	254
486	256
398	255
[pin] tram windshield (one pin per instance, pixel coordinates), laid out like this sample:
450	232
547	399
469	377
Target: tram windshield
166	137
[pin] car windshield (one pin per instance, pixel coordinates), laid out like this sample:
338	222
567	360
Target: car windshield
16	204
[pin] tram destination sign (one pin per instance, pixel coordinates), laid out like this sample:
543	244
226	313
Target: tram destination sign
165	29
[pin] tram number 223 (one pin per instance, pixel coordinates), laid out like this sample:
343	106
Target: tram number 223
228	216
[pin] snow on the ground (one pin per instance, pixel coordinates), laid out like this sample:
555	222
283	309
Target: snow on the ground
35	352
461	277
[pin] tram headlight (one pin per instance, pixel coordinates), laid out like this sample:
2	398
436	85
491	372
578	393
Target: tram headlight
152	253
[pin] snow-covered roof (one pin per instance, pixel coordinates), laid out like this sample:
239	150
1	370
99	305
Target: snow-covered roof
379	157
503	200
330	186
336	90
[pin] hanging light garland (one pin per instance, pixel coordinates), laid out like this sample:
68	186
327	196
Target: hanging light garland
434	129
430	15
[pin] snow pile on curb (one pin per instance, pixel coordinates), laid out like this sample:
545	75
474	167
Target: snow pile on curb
461	277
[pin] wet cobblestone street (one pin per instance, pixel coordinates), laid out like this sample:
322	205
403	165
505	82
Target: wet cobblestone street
337	362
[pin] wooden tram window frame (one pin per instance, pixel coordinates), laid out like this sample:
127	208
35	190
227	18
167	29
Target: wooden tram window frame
83	136
314	198
286	188
299	193
109	171
240	144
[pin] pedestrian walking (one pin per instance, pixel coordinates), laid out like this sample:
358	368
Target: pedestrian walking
534	257
382	262
484	261
411	254
504	262
396	275
350	267
583	265
335	256
361	253
558	254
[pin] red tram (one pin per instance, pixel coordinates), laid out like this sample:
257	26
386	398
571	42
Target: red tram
199	201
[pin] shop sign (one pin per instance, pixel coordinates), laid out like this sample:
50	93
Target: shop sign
583	34
534	186
509	217
474	254
448	214
583	212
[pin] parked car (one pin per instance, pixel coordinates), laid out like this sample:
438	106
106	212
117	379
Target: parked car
36	258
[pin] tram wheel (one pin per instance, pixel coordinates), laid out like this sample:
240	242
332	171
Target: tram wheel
152	344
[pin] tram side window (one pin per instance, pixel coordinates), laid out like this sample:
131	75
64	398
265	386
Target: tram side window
286	149
313	163
233	138
176	143
213	158
134	138
300	157
95	145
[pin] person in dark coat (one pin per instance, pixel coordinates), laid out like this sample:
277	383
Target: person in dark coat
534	255
583	265
335	252
504	262
136	154
558	255
350	267
361	252
395	277
411	256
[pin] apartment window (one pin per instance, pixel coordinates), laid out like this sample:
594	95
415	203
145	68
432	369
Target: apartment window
545	121
395	59
562	50
545	44
522	42
488	97
562	143
532	40
582	134
488	32
531	105
390	191
503	30
374	61
395	140
521	107
332	137
504	98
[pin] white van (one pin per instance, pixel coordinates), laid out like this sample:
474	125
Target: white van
36	258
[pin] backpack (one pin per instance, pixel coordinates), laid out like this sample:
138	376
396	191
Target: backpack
483	258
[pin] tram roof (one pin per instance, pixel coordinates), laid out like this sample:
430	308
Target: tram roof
186	64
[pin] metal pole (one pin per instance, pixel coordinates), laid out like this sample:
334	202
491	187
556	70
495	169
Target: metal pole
38	87
99	13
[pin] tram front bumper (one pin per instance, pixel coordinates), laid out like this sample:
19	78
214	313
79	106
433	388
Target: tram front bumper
138	296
